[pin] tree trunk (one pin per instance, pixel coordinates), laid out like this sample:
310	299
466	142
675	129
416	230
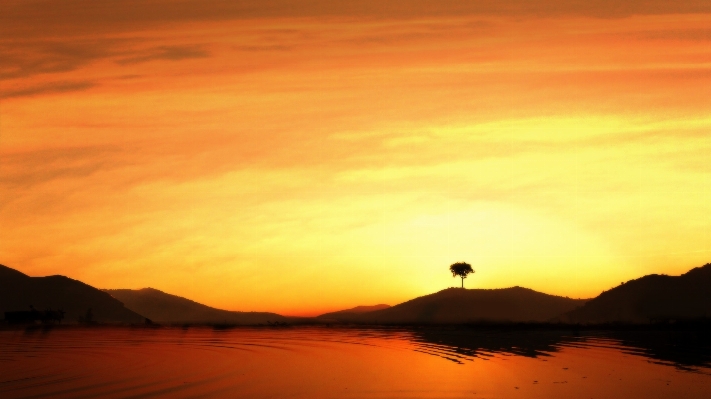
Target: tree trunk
462	282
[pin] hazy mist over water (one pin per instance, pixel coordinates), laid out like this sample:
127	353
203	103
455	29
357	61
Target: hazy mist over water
318	362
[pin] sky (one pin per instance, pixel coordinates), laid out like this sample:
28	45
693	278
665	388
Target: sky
306	156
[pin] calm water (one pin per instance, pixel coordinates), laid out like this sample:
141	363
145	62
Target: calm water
351	363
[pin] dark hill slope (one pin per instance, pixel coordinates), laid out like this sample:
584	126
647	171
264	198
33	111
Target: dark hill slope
458	305
348	313
649	298
18	291
166	308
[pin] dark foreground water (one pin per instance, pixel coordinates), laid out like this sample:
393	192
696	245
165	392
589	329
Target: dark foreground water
312	362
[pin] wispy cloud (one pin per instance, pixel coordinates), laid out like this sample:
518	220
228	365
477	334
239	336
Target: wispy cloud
675	34
24	58
48	88
27	169
260	48
27	58
170	53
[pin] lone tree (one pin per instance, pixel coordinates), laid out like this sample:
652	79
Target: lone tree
461	269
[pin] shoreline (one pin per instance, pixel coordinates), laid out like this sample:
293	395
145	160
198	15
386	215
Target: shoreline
690	325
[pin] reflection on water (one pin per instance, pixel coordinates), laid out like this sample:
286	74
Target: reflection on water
459	344
689	350
685	349
314	362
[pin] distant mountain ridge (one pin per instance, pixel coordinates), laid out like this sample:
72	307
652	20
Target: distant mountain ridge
162	307
459	305
643	300
352	311
650	298
18	291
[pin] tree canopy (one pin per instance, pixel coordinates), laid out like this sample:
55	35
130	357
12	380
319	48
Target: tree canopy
461	269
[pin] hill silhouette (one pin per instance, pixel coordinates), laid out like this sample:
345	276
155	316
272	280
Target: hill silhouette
18	291
166	308
347	313
644	300
650	298
459	305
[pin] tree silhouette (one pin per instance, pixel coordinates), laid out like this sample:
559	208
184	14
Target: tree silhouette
461	269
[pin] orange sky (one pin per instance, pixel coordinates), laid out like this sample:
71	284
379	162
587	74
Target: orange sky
306	156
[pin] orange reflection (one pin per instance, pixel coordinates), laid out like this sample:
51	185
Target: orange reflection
318	363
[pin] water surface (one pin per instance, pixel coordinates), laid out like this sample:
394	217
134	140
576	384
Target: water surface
318	362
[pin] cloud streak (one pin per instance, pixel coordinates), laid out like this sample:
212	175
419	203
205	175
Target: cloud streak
169	53
49	88
28	58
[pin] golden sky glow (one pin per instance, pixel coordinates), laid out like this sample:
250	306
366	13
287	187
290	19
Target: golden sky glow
306	156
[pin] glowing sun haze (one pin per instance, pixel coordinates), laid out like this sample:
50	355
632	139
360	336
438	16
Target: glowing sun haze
305	156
